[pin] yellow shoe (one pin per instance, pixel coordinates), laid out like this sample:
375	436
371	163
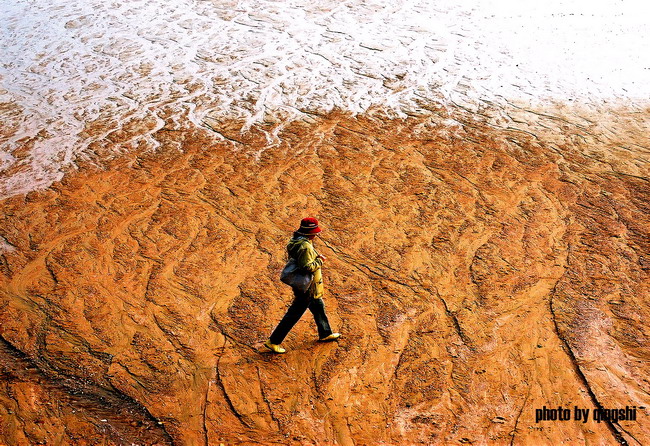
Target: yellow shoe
332	337
275	348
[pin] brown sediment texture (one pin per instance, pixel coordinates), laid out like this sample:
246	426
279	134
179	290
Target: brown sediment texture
478	269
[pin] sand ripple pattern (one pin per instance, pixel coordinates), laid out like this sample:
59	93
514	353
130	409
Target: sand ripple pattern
74	73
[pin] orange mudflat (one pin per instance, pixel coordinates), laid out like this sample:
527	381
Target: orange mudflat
480	268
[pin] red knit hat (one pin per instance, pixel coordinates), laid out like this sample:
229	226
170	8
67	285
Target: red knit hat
309	226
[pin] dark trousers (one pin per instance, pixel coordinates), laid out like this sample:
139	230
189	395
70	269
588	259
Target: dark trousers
300	304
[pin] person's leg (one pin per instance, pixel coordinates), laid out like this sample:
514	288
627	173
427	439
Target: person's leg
317	308
291	317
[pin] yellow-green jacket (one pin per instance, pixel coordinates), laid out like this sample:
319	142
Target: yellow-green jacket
302	250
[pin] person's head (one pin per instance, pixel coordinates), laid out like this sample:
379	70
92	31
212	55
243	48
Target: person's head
309	228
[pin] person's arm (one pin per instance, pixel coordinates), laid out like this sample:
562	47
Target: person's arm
307	259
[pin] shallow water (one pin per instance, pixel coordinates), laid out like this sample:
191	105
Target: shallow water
74	75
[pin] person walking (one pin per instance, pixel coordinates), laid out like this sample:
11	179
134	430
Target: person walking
301	249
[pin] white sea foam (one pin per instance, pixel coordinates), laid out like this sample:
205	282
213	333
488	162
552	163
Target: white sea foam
66	64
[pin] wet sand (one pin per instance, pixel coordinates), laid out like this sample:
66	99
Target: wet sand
482	263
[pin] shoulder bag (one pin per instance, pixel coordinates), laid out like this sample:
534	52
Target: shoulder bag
295	278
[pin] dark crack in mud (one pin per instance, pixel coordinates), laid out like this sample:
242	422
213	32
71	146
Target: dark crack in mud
36	402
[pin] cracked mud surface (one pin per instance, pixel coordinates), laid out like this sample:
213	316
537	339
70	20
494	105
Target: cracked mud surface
477	271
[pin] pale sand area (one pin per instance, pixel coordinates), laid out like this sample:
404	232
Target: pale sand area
74	75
